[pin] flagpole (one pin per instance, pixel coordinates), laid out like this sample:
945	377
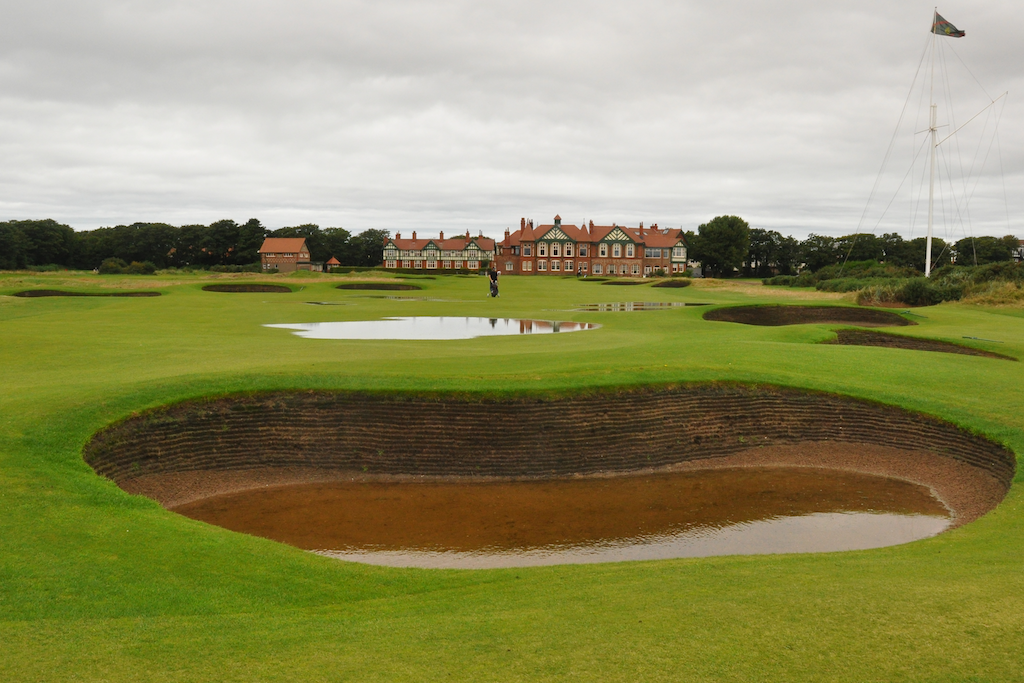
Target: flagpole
933	115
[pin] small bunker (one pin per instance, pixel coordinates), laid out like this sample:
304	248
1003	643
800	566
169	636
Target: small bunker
776	314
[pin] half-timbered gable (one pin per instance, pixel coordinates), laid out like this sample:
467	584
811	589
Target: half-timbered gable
457	253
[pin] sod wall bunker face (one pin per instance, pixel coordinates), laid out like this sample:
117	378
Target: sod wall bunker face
192	450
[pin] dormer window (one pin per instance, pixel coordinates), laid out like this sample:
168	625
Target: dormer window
554	249
629	251
604	250
616	250
542	249
568	248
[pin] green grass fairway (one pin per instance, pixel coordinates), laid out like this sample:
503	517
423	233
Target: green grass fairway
98	585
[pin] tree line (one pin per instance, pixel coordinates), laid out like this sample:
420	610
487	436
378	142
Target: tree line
727	244
24	244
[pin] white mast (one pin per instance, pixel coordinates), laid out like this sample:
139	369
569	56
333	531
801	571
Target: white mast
933	115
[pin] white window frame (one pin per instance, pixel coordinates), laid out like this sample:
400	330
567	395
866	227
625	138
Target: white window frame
527	251
391	264
417	264
473	265
556	266
555	249
604	250
598	269
528	267
616	251
407	264
447	264
583	250
542	249
509	266
431	265
636	268
584	265
542	266
630	252
568	266
568	249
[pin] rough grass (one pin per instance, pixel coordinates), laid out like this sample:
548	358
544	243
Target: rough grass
98	585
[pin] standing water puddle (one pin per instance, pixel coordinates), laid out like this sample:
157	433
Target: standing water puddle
431	328
624	306
657	516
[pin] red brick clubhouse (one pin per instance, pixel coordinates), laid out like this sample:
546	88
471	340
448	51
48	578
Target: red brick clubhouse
556	249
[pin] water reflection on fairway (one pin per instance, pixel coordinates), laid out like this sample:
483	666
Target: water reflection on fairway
421	327
656	516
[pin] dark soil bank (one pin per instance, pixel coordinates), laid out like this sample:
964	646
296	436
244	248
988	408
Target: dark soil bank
776	315
278	289
388	286
893	341
32	293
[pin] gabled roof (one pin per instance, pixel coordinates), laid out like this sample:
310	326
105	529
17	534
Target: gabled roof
276	245
453	244
570	231
333	262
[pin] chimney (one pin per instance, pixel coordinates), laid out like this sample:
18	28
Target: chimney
398	235
441	235
507	234
522	224
467	235
481	233
414	234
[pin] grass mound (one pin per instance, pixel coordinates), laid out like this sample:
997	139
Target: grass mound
239	288
676	283
35	293
386	286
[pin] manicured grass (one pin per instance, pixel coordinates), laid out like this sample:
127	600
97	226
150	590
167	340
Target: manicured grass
99	585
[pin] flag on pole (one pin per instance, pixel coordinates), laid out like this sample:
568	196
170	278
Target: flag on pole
944	28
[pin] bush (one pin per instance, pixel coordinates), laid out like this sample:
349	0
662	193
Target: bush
248	268
919	292
112	266
137	268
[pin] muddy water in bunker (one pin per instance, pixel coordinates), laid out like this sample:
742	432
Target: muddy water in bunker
523	523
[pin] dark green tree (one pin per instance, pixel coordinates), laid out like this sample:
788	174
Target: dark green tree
860	247
314	239
972	251
722	244
338	243
13	246
818	251
250	238
368	248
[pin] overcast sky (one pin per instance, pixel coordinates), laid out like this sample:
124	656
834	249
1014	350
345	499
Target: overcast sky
462	115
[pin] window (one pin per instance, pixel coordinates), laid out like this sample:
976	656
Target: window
509	266
458	264
527	251
447	264
542	249
611	269
568	249
677	252
652	253
556	265
604	250
629	251
528	266
664	253
554	250
636	268
597	269
473	265
542	265
515	251
616	250
584	266
391	264
407	264
583	250
419	264
432	265
568	266
648	269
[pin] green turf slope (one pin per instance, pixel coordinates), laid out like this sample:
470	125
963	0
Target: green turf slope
97	585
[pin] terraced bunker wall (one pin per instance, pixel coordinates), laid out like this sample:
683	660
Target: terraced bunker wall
524	437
